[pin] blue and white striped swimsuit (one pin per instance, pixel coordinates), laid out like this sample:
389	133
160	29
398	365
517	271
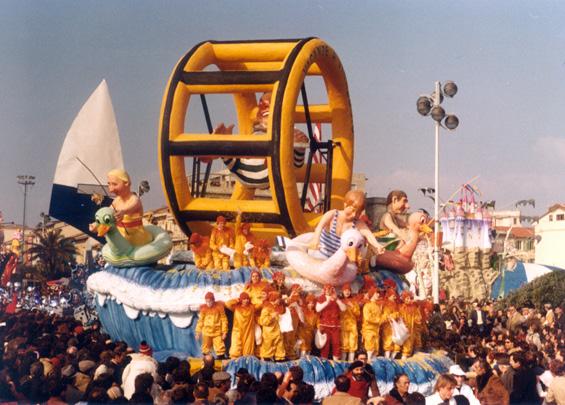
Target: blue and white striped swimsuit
329	241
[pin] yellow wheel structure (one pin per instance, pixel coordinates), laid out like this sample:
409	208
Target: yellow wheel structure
245	69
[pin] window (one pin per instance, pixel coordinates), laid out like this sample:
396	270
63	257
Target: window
550	218
560	217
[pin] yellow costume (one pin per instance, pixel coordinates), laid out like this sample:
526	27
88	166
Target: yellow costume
240	259
201	252
348	319
132	229
307	329
390	311
220	238
256	291
290	338
370	328
212	324
272	346
243	330
413	321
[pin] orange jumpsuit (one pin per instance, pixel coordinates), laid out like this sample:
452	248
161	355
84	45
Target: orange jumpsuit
212	324
370	328
390	310
243	330
256	292
202	254
412	319
240	259
307	329
272	346
217	240
349	319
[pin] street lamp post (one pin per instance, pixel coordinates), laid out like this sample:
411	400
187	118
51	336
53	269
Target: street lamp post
26	181
432	105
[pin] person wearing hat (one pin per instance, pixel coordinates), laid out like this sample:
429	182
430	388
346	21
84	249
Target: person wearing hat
221	237
462	388
329	306
140	363
202	254
308	325
371	325
290	338
222	384
243	242
255	288
349	319
243	329
212	326
272	346
360	380
390	312
412	318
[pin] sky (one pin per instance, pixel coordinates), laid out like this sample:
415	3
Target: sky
507	58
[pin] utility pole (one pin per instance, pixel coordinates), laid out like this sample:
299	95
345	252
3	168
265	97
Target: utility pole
26	181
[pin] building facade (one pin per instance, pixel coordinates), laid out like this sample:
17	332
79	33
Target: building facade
550	237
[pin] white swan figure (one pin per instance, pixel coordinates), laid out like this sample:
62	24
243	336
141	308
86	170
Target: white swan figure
336	270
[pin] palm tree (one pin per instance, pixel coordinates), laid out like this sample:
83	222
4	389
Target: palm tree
53	253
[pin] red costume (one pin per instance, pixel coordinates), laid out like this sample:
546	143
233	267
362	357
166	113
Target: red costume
329	308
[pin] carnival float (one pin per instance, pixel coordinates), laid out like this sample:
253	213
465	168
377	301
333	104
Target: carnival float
237	297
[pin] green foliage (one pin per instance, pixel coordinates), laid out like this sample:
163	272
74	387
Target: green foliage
547	288
53	253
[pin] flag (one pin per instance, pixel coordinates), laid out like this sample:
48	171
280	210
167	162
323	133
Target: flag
314	194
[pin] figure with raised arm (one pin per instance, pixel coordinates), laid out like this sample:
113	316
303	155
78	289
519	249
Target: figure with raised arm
243	330
243	243
253	173
221	238
128	210
334	223
256	289
329	306
309	325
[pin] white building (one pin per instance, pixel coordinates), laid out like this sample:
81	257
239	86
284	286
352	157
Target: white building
550	237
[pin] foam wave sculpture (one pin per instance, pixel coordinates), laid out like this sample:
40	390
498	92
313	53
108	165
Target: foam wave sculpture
161	307
423	370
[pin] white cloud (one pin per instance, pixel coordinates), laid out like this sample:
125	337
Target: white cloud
551	147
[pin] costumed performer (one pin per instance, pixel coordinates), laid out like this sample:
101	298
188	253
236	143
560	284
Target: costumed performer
410	313
212	326
278	284
293	303
128	210
372	321
329	306
243	330
390	312
392	223
327	235
201	252
308	325
242	244
221	237
272	347
349	319
256	289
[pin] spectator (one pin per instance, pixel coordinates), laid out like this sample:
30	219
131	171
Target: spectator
524	385
462	388
494	393
142	394
207	370
222	384
140	363
399	392
483	374
341	396
360	380
556	389
443	391
201	393
361	355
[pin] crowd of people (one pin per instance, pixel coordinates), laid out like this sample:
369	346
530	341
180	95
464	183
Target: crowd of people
500	356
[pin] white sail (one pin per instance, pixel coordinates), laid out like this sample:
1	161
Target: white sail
92	146
91	149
